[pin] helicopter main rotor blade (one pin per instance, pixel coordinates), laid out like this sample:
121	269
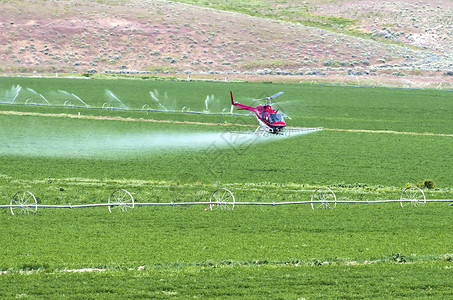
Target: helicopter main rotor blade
271	97
276	95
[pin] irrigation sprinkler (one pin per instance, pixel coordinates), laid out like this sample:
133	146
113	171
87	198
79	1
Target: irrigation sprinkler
68	103
323	198
121	200
413	195
23	203
106	106
222	199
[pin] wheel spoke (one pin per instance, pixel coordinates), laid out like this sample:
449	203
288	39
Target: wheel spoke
217	198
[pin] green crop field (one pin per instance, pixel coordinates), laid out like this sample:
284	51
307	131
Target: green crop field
375	143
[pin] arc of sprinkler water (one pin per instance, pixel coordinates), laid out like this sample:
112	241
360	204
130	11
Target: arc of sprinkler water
79	99
157	100
17	93
110	93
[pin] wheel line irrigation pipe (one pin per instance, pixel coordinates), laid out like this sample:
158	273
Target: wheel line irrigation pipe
24	202
211	203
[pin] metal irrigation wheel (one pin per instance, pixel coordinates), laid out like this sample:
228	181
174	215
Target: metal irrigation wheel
121	200
222	199
23	203
413	195
323	198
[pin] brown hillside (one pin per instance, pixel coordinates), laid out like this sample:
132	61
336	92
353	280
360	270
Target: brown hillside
171	37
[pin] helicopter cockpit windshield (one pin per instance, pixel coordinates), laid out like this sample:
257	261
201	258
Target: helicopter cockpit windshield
275	117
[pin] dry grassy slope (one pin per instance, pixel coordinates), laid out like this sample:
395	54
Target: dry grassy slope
82	35
426	24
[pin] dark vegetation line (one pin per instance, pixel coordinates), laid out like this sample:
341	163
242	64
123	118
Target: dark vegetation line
390	131
396	258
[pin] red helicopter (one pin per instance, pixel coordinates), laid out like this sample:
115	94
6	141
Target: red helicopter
270	120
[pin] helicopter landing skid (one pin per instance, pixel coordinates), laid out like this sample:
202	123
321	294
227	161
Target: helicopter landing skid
288	132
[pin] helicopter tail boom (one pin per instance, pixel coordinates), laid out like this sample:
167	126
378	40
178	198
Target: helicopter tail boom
241	106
